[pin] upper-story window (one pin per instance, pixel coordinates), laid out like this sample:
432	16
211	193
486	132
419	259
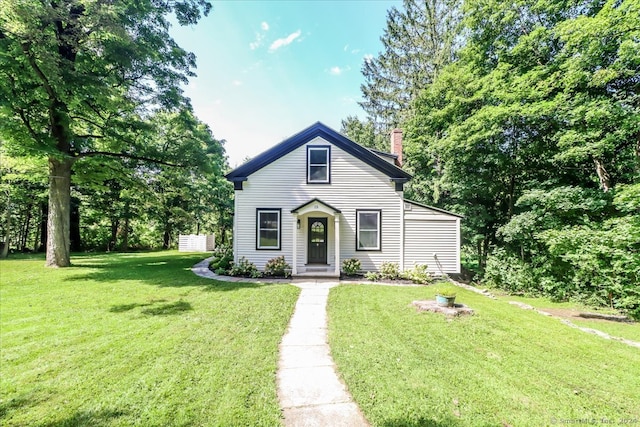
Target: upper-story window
318	164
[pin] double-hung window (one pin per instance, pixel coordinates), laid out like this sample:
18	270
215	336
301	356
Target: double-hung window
268	229
368	230
318	164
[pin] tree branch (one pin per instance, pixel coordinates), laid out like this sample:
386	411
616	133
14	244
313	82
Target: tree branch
128	156
47	86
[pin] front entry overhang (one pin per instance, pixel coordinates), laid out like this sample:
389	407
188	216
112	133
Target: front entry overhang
315	206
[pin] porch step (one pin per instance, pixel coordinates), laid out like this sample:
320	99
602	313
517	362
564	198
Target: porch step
317	274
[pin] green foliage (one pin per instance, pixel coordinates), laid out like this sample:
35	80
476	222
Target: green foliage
374	276
418	274
447	290
531	133
222	259
419	40
277	267
389	270
244	268
351	266
85	81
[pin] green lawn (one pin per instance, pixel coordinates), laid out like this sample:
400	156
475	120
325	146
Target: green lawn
502	366
137	339
630	331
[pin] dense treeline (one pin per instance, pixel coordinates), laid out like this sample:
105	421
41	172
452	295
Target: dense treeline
531	129
100	148
121	205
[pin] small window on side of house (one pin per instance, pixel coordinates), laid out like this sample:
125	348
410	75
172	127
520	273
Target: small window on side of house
268	229
318	165
368	227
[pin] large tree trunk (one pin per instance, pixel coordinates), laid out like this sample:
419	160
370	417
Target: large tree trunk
58	221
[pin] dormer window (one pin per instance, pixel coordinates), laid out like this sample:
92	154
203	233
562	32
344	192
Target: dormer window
318	164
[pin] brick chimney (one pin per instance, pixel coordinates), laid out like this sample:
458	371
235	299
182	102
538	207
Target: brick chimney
396	145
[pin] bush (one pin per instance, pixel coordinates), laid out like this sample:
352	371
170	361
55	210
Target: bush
418	274
372	275
390	270
222	259
277	267
351	266
244	268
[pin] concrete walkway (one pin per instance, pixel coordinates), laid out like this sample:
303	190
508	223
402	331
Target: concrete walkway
309	389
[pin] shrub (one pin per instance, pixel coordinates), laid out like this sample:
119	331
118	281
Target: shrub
390	270
220	271
244	268
351	266
277	267
418	274
222	259
372	275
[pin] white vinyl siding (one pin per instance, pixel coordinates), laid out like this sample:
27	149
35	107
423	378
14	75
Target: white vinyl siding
431	238
354	185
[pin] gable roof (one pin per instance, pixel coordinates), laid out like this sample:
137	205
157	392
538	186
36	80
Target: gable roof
317	201
422	205
317	130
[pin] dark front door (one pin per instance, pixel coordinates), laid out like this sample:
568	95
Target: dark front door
317	241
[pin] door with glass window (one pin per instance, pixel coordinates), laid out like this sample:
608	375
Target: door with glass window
317	236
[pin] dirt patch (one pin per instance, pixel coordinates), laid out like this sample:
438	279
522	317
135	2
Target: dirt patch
567	313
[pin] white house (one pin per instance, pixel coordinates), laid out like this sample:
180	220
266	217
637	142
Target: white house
319	198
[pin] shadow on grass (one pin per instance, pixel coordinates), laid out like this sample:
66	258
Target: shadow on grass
162	269
423	422
162	310
169	309
87	418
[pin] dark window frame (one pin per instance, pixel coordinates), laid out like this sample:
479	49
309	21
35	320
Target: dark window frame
268	210
379	212
326	148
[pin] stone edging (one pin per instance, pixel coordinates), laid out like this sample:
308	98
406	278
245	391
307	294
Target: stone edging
573	325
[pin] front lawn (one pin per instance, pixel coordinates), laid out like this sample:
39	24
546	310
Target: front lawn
137	339
504	366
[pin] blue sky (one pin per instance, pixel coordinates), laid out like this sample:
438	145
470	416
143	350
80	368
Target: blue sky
268	69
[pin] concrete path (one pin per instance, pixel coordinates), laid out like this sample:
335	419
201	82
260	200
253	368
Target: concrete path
309	389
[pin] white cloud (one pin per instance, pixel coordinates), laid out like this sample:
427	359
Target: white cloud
257	42
264	26
336	71
284	41
346	47
236	83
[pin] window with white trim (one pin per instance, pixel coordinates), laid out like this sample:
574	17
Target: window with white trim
318	159
268	229
368	230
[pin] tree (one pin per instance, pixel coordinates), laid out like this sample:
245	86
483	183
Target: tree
419	40
364	133
78	78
